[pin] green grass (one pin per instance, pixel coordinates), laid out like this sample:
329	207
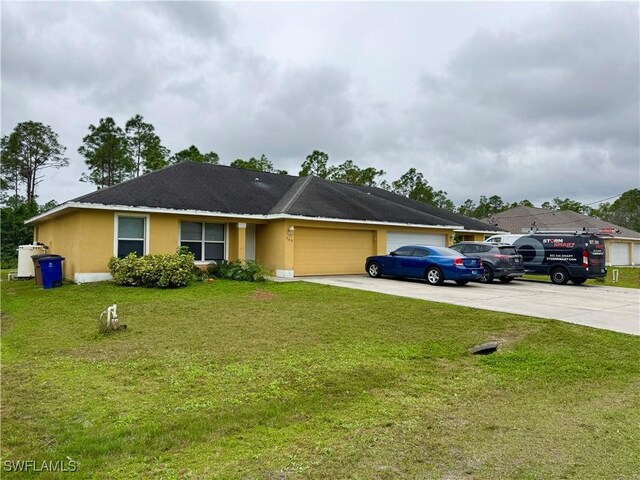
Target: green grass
296	380
628	277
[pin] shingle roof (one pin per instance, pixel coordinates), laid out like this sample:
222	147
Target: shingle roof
451	217
518	218
222	189
316	197
198	186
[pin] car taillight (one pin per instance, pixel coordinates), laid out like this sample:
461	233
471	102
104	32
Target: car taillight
585	259
458	262
499	255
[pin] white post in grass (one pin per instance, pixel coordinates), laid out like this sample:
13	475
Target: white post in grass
112	315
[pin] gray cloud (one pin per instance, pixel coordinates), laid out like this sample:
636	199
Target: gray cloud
537	105
109	54
196	19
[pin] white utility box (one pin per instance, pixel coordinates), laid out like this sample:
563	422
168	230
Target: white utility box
25	263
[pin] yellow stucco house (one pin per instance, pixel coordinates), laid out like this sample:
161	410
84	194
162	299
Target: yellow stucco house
293	226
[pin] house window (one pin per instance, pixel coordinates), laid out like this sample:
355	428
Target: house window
131	236
204	240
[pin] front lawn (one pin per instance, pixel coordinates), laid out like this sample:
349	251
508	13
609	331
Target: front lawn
297	380
628	277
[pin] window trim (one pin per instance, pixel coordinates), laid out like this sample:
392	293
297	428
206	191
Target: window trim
116	217
225	241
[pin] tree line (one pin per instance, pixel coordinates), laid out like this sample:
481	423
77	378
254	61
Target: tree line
114	154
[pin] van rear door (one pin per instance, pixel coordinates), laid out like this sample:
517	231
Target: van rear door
596	255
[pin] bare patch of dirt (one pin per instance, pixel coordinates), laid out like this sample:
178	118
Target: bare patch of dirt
262	295
512	336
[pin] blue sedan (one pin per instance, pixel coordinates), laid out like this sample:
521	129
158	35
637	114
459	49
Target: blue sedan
435	264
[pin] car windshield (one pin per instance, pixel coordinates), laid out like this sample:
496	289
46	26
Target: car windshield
446	252
508	250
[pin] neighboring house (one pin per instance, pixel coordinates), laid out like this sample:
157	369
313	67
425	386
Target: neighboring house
291	225
622	245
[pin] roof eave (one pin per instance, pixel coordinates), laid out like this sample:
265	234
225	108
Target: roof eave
49	213
493	232
205	213
614	237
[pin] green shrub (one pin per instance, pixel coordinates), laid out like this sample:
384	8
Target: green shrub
156	271
212	270
9	263
200	273
240	270
123	270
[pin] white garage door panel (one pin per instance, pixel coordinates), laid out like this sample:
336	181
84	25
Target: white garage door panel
636	253
398	239
619	254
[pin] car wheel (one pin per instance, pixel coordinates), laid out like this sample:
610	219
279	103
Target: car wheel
462	282
559	276
506	279
374	270
488	274
578	281
434	276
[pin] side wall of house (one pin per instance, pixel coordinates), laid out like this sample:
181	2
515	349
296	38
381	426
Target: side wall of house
86	238
62	236
83	238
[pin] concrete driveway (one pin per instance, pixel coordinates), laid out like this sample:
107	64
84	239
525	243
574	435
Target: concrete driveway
610	308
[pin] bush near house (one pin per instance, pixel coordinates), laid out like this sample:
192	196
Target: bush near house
154	271
240	270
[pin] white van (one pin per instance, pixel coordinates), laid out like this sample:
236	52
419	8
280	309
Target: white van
506	238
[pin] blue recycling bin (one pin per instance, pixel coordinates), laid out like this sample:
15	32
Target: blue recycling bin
51	270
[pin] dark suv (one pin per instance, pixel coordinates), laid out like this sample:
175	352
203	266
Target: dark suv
499	261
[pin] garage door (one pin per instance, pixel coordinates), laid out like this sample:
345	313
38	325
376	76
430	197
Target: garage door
398	239
324	251
636	253
619	254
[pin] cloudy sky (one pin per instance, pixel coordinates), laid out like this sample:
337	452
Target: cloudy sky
522	100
